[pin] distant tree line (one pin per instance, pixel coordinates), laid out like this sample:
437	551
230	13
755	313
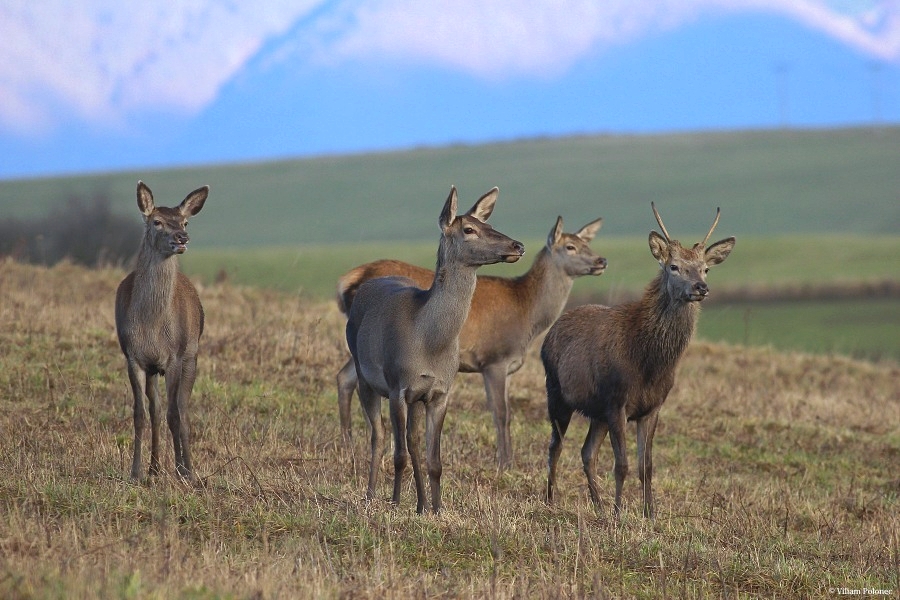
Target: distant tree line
81	230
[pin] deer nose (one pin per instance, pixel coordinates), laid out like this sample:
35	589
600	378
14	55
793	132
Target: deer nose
601	262
519	247
181	237
701	288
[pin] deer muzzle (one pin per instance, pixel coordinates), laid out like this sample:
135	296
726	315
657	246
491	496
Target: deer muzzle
179	242
599	266
518	250
700	291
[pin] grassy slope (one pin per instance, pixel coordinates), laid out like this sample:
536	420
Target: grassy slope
770	262
767	183
859	327
808	207
864	328
300	224
775	473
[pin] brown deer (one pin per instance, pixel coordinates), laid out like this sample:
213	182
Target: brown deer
506	315
159	321
405	342
617	364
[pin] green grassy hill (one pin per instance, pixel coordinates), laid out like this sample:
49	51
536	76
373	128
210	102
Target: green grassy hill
809	208
767	183
862	323
757	262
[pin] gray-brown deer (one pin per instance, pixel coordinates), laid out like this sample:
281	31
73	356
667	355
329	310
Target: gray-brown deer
505	316
159	320
405	342
617	364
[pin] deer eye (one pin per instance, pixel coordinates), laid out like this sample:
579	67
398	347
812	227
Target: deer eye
706	270
571	248
673	268
157	222
468	230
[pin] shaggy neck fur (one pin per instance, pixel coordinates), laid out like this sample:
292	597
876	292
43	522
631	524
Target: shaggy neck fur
659	328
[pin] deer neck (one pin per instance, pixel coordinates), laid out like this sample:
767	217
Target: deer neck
544	289
664	328
154	283
447	306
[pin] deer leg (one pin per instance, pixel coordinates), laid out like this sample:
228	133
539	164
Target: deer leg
414	443
399	418
371	404
346	383
495	377
596	433
617	422
152	390
188	377
137	378
436	410
560	416
179	383
646	429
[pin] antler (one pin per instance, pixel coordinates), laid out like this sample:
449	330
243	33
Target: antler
716	222
659	220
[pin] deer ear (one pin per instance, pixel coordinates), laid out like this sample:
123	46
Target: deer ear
144	199
448	214
193	202
485	206
719	251
555	233
659	247
588	232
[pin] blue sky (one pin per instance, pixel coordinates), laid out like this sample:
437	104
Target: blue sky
111	85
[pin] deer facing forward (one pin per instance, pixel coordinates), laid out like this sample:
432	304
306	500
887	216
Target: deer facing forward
405	342
159	320
505	316
617	364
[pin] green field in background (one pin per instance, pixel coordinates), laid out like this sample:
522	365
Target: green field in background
781	262
808	207
767	183
860	327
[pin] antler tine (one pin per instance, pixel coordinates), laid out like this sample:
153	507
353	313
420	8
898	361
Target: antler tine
716	222
659	220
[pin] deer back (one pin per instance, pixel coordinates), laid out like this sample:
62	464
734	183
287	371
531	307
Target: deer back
349	283
382	332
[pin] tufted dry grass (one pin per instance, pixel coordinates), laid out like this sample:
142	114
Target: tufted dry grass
777	474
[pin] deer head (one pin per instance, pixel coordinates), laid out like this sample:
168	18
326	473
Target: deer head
472	241
572	250
165	227
684	269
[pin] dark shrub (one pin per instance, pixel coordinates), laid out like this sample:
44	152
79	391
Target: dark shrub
85	232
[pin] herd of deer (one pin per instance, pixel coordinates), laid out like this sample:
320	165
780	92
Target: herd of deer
410	330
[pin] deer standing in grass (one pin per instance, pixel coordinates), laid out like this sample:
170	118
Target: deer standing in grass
159	320
505	316
405	342
617	364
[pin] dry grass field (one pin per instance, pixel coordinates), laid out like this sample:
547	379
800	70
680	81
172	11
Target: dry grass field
777	475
